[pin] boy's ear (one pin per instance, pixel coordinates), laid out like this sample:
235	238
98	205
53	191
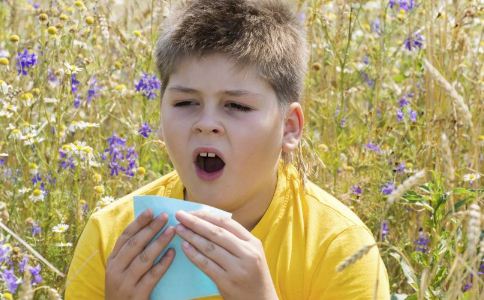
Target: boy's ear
293	127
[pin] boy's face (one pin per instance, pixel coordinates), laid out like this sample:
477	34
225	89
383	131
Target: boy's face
211	106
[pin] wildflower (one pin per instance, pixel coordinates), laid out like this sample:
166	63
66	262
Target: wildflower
145	130
99	189
356	190
375	26
74	154
388	188
36	230
93	89
25	61
468	284
97	177
81	125
4	61
422	242
148	85
122	158
52	30
64	245
84	207
405	5
384	230
43	17
74	83
89	20
35	272
11	280
60	228
400	168
105	201
14	38
373	147
37	195
400	115
23	263
52	78
140	171
413	115
471	177
413	42
5	251
137	33
77	101
367	79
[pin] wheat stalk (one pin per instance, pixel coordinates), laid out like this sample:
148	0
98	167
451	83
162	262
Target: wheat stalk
405	186
458	100
354	258
448	157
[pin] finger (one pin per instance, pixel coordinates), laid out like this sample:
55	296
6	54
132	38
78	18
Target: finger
138	242
141	221
152	276
225	222
144	261
217	254
214	271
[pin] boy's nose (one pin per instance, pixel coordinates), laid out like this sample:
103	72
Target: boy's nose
208	124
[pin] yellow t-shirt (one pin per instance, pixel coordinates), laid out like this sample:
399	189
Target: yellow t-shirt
305	232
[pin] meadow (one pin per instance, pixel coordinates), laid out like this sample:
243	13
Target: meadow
393	130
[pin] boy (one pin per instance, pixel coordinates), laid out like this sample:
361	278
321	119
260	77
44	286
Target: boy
232	74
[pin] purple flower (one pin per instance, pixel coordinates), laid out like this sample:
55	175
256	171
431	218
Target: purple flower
373	147
400	168
412	115
93	89
422	242
74	83
77	101
11	280
468	284
52	79
23	263
388	188
481	268
399	115
25	61
148	85
36	178
403	102
4	253
406	5
356	190
145	130
35	272
367	79
121	157
36	230
375	26
343	123
413	42
384	230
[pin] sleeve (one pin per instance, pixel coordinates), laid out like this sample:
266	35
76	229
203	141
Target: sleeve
359	280
85	279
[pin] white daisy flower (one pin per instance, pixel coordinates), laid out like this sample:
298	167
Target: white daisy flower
60	228
472	177
37	195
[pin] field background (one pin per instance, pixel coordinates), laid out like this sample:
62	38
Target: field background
392	103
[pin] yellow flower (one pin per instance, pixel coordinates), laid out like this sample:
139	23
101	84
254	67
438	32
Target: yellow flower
26	96
52	30
36	91
37	192
99	189
79	4
43	17
481	137
63	17
97	177
141	171
4	61
120	87
14	38
7	296
137	33
89	20
118	64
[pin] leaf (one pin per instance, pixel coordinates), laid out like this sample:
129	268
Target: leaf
407	271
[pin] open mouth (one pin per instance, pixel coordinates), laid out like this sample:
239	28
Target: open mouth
209	162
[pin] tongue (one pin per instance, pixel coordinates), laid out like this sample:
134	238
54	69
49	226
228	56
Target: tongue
212	164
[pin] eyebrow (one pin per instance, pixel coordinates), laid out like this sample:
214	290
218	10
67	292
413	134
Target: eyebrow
233	93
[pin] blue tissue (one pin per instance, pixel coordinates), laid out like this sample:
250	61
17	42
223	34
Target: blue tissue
183	280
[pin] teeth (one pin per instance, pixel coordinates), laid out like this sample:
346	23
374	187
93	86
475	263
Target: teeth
207	154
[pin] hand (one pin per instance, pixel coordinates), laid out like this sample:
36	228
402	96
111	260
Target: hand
130	273
229	254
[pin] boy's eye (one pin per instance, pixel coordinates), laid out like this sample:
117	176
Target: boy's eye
183	103
239	107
